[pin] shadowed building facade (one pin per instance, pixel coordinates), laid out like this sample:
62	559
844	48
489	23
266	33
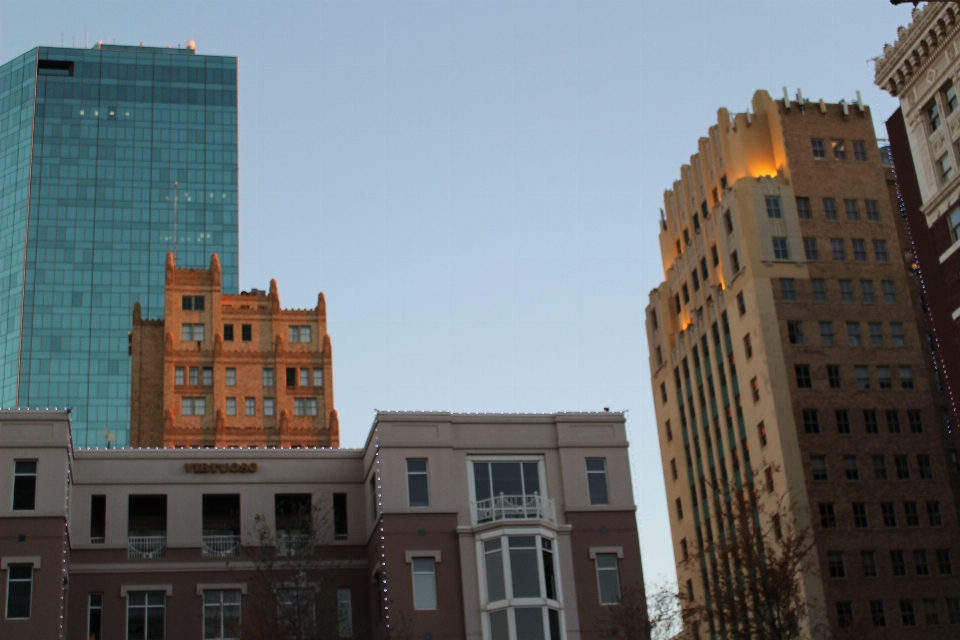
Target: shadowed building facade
230	370
785	352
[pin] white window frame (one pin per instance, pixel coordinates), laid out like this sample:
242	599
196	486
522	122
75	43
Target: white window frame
344	613
146	591
511	603
539	459
269	406
231	406
413	578
606	552
90	610
300	333
6	604
220	605
192	332
230	377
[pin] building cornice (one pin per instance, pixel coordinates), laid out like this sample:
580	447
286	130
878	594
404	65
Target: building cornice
905	61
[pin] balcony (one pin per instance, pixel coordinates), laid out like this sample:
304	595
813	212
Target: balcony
146	546
221	546
293	544
502	507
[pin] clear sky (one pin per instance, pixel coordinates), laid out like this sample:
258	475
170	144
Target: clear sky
475	185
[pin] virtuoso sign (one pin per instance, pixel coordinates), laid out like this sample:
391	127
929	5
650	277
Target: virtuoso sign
220	467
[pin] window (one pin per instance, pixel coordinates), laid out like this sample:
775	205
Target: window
943	562
811	421
299	334
663	392
291	376
780	251
851	211
916	423
924	470
715	255
946	167
843	421
741	305
853	334
953	608
893	421
194	376
608	578
906	612
304	377
192	332
524	568
207	376
866	292
297	608
833	376
673	468
735	261
424	583
828	518
818	467
228	333
777	529
304	406
933	513
773	207
933	115
318	377
268	378
246	332
755	389
268	407
231	406
802	371
897	563
803	208
145	615
870	421
950	97
930	615
837	249
876	334
95	616
884	381
24	485
859	151
19	591
706	277
597	480
748	346
889	515
873	211
344	614
911	513
683	549
98	518
850	468
879	468
762	432
810	249
835	564
819	290
953	221
920	562
906	377
868	560
417	483
859	249
859	515
902	467
250	406
889	293
676	300
788	289
679	505
818	150
221	614
846	291
192	303
896	334
826	333
839	149
230	377
795	331
669	431
830	208
876	613
193	406
880	250
179	376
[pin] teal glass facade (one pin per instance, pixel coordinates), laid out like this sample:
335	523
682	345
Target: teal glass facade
91	143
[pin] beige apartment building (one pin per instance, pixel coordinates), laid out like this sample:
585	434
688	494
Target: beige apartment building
443	526
784	340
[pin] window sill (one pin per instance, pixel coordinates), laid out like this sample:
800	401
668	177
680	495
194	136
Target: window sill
950	251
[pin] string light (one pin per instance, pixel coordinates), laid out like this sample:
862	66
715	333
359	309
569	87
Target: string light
383	543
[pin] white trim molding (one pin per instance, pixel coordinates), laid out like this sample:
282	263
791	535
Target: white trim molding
217	586
8	560
955	314
949	252
423	554
127	588
595	550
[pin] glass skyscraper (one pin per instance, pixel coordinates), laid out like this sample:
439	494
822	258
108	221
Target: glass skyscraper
91	144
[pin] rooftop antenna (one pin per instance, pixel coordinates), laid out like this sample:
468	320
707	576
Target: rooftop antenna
176	193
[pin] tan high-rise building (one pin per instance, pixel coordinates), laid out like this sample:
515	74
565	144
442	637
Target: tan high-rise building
784	339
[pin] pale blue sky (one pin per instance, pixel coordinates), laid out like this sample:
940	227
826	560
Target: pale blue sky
475	185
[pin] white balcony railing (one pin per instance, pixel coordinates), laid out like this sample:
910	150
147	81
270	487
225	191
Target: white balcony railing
146	546
292	544
97	540
221	546
503	507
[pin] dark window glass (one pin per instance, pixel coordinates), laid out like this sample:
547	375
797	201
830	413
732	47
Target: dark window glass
340	516
417	483
98	518
24	485
597	481
246	332
228	332
19	588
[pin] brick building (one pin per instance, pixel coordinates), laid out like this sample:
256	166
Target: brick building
230	370
443	526
921	69
784	340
